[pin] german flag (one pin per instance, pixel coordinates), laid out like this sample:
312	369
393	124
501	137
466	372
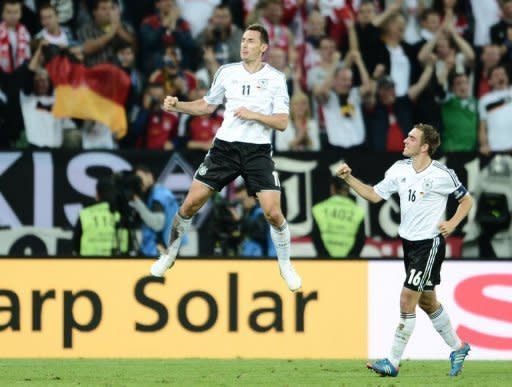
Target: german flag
90	93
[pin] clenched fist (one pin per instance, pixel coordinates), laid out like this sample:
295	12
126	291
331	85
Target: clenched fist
170	103
343	171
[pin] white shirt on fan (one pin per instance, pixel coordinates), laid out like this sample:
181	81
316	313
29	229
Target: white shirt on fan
264	91
423	196
41	127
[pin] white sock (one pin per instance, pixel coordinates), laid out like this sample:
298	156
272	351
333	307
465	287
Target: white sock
180	227
402	334
442	325
281	239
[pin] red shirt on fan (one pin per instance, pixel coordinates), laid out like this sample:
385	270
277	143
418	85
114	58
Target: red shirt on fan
161	127
204	128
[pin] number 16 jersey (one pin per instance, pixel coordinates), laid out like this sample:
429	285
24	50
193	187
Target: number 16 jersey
423	196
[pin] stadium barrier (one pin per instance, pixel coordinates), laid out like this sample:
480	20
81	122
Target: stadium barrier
42	193
110	308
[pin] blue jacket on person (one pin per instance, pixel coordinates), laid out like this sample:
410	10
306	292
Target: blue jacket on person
251	247
150	237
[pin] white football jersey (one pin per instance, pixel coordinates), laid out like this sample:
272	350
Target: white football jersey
264	91
423	196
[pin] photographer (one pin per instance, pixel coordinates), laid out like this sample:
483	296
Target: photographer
255	230
96	232
156	208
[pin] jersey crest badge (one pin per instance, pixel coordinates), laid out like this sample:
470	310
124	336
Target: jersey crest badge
202	170
262	84
427	184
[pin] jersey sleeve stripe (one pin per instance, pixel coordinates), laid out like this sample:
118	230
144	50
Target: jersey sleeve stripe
450	172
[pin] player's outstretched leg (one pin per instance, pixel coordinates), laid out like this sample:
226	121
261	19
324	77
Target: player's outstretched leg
281	239
383	367
457	359
166	260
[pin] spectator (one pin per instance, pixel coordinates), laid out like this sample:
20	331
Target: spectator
302	131
70	12
126	59
320	77
14	37
164	29
430	22
452	51
222	35
338	230
157	207
495	110
309	55
367	33
342	110
388	116
155	128
52	32
254	228
210	66
459	112
101	36
395	54
489	58
279	33
14	52
276	57
175	79
97	232
501	32
42	129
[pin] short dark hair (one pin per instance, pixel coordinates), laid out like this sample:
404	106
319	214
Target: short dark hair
97	3
427	12
339	185
223	6
431	137
48	6
105	189
453	75
498	66
11	2
262	30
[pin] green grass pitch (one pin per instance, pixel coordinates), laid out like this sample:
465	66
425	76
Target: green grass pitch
202	372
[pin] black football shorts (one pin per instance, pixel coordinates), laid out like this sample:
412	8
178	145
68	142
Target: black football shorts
226	161
423	260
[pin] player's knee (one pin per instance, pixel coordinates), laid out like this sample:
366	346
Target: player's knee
274	215
190	207
428	306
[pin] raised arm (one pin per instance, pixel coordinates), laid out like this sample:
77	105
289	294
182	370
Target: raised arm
197	107
393	8
416	89
464	47
364	190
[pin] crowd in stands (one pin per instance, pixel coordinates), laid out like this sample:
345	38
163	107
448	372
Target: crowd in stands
360	73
